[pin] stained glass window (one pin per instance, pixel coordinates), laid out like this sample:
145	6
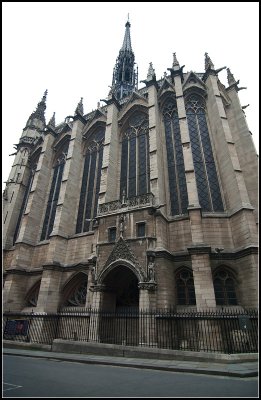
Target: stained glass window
54	192
176	170
134	179
205	170
90	182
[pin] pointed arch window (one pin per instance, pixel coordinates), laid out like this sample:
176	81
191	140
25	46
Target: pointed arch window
185	287
205	170
32	165
225	287
90	183
54	192
176	170
135	172
32	296
75	291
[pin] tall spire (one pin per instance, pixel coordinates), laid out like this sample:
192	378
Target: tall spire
126	45
125	77
39	112
52	121
151	73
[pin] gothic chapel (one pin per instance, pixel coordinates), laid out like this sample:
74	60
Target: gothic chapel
150	201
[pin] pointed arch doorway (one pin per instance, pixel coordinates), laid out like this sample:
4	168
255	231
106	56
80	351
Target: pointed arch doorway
119	322
122	292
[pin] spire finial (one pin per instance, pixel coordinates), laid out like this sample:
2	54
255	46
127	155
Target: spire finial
45	95
39	112
79	108
208	62
127	40
52	121
230	77
151	73
175	61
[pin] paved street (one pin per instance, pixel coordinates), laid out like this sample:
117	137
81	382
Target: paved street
33	377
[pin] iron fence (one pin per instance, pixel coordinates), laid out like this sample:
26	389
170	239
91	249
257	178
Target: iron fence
224	331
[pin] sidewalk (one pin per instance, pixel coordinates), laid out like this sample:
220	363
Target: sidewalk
242	370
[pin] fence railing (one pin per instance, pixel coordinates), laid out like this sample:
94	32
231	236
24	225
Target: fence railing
231	331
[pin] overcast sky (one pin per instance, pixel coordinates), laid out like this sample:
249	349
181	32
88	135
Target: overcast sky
70	48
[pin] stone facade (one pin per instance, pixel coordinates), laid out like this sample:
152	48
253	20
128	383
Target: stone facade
155	258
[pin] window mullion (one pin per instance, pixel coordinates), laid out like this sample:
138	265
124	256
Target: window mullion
52	201
204	162
86	192
175	164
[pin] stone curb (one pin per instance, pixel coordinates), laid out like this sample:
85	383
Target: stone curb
219	369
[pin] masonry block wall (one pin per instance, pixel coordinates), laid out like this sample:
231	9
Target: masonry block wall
147	232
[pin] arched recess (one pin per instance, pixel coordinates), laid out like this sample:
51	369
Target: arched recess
32	295
120	281
225	286
74	291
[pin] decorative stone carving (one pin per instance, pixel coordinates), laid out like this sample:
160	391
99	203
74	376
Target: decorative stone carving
121	251
151	286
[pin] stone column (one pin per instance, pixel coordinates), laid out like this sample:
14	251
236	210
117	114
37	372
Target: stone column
13	195
109	187
68	201
231	176
193	201
49	293
95	316
31	225
157	182
244	144
14	290
67	206
147	326
203	281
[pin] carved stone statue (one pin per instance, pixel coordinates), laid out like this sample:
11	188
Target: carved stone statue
151	270
121	225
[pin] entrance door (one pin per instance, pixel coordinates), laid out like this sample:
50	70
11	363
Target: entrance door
120	319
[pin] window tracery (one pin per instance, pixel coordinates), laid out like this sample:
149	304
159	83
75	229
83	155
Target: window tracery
77	297
135	156
176	169
90	183
54	192
225	287
205	170
185	287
